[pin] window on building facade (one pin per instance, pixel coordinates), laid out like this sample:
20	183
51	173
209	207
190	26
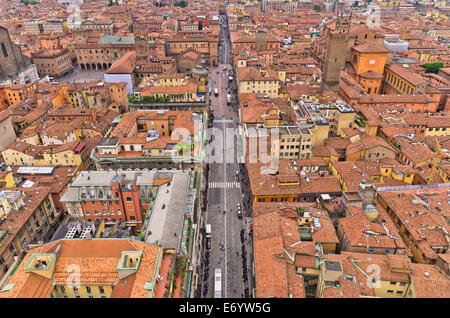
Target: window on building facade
5	52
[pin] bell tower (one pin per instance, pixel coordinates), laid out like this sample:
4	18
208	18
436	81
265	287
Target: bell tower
336	50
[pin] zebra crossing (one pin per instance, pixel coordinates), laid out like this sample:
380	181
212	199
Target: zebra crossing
223	120
221	185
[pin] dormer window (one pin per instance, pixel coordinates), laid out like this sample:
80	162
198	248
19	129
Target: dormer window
129	263
40	261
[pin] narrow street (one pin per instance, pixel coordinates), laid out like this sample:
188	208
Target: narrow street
231	246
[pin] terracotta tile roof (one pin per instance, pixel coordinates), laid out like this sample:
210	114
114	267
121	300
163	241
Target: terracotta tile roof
355	265
254	74
272	274
415	152
30	131
296	91
323	234
371	75
370	48
132	140
360	232
399	261
17	219
124	65
296	286
392	130
324	151
190	55
429	282
337	142
417	119
406	74
23	147
367	142
36	287
66	111
34	115
270	271
350	132
351	174
251	100
426	224
262	184
253	115
160	143
61	130
97	259
394	99
308	261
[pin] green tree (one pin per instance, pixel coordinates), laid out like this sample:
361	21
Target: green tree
110	3
433	67
182	4
317	8
132	99
27	2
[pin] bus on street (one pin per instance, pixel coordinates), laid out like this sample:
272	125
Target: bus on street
208	237
218	283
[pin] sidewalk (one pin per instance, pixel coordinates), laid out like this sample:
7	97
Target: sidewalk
160	288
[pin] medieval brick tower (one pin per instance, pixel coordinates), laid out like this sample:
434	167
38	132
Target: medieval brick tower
142	47
336	51
261	40
12	60
140	30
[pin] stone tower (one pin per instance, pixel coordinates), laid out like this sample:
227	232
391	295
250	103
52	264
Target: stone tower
336	51
140	30
142	47
264	5
12	60
261	40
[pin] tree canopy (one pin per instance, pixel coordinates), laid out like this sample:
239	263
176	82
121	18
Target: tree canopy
433	67
182	4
